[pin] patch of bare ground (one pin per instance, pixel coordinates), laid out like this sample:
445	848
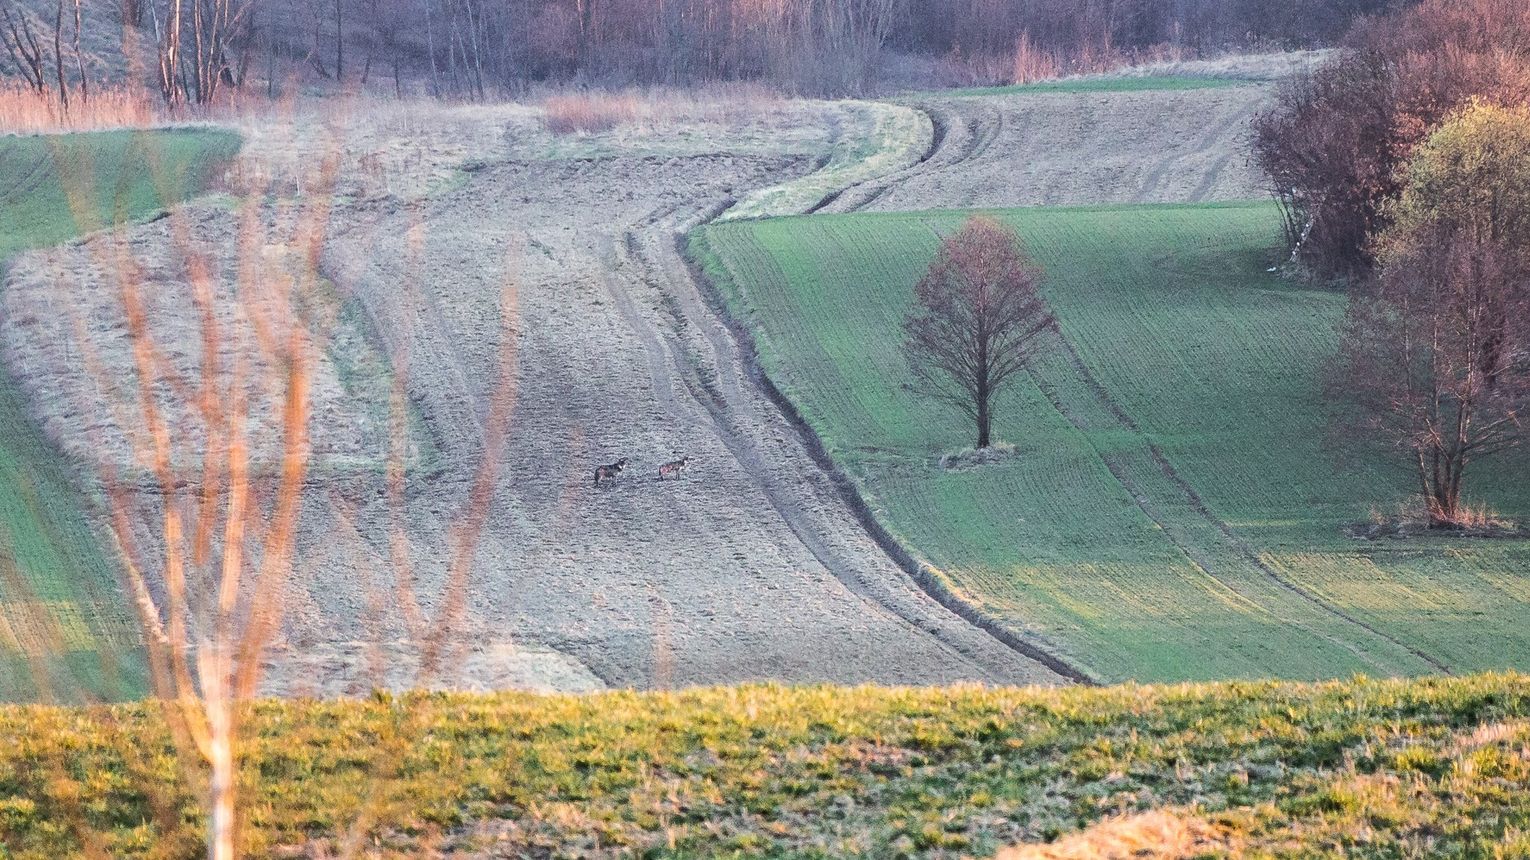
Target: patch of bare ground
1062	148
1271	66
976	458
451	230
1160	834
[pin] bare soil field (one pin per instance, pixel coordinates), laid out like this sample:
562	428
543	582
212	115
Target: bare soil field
451	232
472	258
1067	148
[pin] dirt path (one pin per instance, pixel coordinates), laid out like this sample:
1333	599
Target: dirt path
1057	149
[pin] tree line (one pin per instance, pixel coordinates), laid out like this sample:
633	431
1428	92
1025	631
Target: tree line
483	48
1403	169
472	47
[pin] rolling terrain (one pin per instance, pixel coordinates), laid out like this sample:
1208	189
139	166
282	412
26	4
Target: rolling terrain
64	631
1170	511
470	260
453	231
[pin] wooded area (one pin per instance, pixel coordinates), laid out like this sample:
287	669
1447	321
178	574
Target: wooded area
473	48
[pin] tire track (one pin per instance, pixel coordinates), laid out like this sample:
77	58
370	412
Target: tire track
954	141
1204	143
1197	504
652	246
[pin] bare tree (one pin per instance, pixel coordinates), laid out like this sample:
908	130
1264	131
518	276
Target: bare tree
339	44
22	47
219	34
977	319
79	56
58	55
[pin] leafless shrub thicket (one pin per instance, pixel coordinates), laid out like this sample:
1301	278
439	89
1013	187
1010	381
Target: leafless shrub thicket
478	49
589	112
1334	145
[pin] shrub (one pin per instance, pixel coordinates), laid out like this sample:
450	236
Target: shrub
1334	143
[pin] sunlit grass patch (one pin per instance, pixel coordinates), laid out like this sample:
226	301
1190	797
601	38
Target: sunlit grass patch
1265	768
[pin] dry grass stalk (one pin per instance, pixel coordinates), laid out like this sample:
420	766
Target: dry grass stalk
595	111
1031	62
589	112
25	111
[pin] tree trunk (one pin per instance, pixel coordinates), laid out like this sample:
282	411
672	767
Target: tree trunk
339	46
58	57
79	58
984	417
219	752
1442	490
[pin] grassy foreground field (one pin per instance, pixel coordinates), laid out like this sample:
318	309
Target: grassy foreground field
1359	768
1171	511
63	629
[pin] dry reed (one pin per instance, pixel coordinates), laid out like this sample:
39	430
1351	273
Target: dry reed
25	111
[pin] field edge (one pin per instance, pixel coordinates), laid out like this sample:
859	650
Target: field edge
711	274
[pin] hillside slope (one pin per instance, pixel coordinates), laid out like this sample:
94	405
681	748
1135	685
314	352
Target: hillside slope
64	630
1171	511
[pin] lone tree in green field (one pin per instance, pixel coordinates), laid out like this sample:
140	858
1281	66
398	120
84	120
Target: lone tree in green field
1436	353
977	318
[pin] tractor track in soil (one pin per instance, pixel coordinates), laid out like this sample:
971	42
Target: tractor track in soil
754	544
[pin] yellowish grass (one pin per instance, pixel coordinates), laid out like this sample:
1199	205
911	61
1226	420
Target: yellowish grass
1162	834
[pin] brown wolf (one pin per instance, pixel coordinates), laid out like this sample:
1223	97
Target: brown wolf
673	467
610	470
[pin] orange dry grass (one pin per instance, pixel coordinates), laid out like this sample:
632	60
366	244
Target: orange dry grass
590	112
1032	63
604	110
24	111
1157	835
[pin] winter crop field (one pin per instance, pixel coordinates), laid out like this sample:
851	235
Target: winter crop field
63	627
1174	508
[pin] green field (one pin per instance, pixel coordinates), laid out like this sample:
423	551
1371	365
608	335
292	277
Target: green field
1357	769
64	632
1172	511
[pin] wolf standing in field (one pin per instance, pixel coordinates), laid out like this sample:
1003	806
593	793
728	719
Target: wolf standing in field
673	467
610	470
